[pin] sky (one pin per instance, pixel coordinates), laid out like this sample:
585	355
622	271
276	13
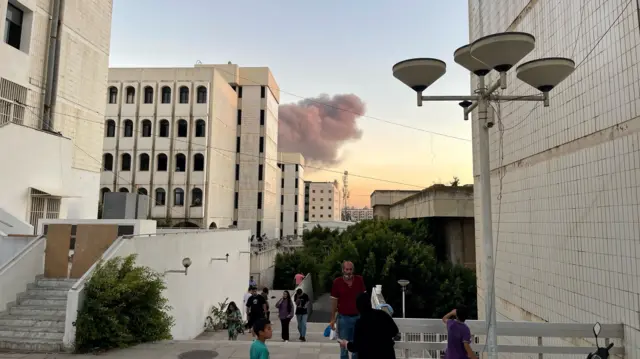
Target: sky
327	47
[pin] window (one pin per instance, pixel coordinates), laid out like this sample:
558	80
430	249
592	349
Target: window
281	216
239	117
322	215
123	190
260	171
200	128
240	96
329	191
126	162
295	216
259	200
198	162
13	26
164	128
142	191
329	207
201	94
178	197
296	200
196	197
259	224
103	191
321	191
183	128
321	207
314	191
282	183
261	117
261	144
110	129
144	162
113	95
107	162
146	128
238	144
235	200
296	182
148	94
166	94
162	163
314	207
131	94
161	197
237	172
181	162
235	223
295	232
281	199
263	92
184	94
329	215
128	128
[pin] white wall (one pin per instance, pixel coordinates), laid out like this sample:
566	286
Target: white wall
10	246
9	224
22	270
567	249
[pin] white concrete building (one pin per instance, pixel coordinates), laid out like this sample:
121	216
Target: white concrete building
201	142
322	201
53	72
291	193
566	178
357	214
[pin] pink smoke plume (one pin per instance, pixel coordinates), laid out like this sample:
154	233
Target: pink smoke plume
318	127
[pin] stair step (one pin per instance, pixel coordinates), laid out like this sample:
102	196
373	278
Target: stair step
31	345
25	332
28	310
55	283
47	292
55	302
30	321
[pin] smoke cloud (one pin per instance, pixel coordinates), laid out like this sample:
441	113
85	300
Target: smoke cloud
318	127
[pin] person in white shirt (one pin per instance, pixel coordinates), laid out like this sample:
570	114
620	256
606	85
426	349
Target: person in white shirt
246	297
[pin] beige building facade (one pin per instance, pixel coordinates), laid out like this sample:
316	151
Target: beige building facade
291	193
322	201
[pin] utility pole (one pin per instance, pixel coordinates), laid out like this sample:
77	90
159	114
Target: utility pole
345	195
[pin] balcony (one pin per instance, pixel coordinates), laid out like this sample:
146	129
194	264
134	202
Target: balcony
427	338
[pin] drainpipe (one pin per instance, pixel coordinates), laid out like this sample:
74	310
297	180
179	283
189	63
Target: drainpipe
53	56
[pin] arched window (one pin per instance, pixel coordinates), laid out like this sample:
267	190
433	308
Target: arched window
123	190
181	162
107	162
131	94
201	126
196	197
126	162
143	191
163	129
162	162
184	94
198	162
110	129
202	94
113	95
146	128
161	197
183	128
103	191
178	197
128	128
144	162
148	94
166	94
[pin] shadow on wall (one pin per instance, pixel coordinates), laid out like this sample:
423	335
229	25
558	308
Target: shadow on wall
210	278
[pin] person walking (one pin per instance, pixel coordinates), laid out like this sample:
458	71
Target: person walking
285	313
265	294
302	312
256	306
298	278
373	334
234	321
344	292
245	311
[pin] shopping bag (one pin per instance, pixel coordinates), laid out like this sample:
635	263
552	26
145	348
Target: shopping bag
327	331
332	335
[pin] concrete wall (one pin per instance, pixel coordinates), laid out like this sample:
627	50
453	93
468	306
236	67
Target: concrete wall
10	224
263	264
381	201
10	246
436	201
567	249
21	270
460	237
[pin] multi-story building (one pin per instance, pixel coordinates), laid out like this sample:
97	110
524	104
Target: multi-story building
53	74
353	214
291	193
566	178
201	142
322	201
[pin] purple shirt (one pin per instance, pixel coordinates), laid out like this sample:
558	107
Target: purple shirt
458	333
284	311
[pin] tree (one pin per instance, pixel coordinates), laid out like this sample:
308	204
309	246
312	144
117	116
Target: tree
455	182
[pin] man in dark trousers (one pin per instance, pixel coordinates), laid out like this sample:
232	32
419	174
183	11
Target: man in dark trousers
257	306
344	292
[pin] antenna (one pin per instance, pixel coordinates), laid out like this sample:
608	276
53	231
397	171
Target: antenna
345	196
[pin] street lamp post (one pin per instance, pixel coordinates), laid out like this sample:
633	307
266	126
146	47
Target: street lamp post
403	283
499	52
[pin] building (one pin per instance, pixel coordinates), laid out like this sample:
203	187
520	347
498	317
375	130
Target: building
381	201
565	178
200	141
357	214
53	74
322	201
291	193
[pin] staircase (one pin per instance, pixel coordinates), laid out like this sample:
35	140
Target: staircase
36	322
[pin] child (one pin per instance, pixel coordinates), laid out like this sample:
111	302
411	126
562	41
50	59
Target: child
458	334
262	330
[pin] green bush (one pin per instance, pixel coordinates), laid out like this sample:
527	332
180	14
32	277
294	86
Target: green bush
123	306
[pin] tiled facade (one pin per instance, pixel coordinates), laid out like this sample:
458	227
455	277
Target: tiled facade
565	179
322	201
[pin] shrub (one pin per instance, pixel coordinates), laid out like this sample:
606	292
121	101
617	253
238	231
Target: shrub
123	306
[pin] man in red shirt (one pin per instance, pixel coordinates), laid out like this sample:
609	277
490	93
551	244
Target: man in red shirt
344	292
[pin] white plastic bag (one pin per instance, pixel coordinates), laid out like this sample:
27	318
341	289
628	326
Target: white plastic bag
332	335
